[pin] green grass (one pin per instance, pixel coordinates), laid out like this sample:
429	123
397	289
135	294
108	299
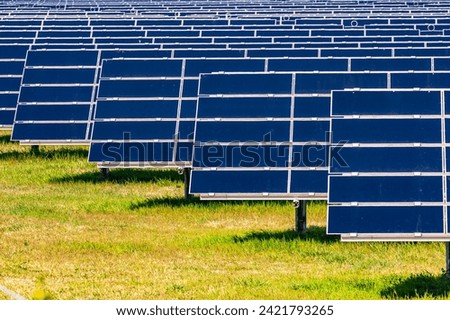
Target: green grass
68	233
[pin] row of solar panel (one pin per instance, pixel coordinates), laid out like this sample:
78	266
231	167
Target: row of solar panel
288	15
179	10
237	130
19	52
194	6
412	30
11	84
41	96
358	23
251	31
369	48
200	30
222	90
206	9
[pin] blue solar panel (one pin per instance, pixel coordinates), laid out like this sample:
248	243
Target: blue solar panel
47	131
50	112
310	107
325	82
394	130
364	52
395	189
255	120
62	76
386	220
61	58
388	159
390	64
391	163
137	109
9	83
139	88
240	131
260	107
55	94
387	103
56	97
422	52
195	67
132	152
209	53
12	58
315	130
112	53
254	84
420	80
283	53
64	34
308	65
252	182
137	94
114	130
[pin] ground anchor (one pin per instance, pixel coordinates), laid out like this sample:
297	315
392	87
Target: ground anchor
186	172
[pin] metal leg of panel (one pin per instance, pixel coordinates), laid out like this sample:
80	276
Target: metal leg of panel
187	182
105	172
34	149
300	216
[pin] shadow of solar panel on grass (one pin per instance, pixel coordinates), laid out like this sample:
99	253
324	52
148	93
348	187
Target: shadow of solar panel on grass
313	233
122	176
419	286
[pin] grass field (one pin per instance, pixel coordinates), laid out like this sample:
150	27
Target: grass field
67	233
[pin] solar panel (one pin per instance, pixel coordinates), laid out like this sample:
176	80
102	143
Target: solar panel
390	182
243	120
12	59
56	97
311	101
153	93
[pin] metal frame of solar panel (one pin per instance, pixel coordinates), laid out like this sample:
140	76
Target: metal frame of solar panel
392	184
223	130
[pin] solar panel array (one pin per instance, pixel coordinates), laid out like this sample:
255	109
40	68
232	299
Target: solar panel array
392	182
256	97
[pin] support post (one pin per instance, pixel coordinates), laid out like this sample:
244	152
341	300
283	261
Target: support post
300	216
187	182
34	149
105	172
447	258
